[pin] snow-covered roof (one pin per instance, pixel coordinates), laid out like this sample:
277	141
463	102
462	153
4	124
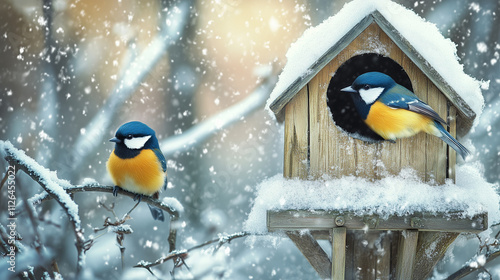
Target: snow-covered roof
435	55
400	195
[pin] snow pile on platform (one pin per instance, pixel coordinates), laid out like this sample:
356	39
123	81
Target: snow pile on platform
398	195
425	37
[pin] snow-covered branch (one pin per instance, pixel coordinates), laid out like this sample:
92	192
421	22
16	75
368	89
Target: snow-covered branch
219	121
173	209
54	188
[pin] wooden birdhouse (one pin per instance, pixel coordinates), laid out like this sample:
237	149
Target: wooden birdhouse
324	136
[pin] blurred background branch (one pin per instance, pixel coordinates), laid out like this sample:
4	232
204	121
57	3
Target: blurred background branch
172	29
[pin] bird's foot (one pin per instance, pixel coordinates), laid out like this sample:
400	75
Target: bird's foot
115	190
138	197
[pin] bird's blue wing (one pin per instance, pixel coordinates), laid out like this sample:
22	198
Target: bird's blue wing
163	162
161	158
424	109
400	97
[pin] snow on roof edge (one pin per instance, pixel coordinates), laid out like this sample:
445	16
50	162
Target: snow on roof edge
439	51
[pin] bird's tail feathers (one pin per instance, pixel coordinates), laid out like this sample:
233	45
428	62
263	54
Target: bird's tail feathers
452	142
157	213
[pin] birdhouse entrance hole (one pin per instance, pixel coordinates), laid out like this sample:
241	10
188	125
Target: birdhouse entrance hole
341	106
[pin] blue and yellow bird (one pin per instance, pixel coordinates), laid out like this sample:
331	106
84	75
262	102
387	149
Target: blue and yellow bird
137	163
392	111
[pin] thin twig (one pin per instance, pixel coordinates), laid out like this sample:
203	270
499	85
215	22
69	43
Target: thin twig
183	254
4	179
127	216
110	209
467	269
487	272
94	187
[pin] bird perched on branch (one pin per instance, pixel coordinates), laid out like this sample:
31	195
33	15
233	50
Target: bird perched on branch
137	163
393	111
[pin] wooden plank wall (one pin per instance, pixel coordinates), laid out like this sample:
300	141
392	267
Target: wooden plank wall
296	161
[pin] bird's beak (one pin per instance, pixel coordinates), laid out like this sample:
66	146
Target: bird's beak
116	140
348	89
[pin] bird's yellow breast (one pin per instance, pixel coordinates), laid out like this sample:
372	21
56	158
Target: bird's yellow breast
397	123
142	174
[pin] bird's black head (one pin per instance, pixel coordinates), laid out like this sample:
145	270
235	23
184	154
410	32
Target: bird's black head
132	137
367	88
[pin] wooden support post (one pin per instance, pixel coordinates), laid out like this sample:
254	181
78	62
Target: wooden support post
423	240
314	254
339	236
406	254
431	248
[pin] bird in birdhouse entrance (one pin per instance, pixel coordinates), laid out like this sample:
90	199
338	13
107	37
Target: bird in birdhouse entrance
393	111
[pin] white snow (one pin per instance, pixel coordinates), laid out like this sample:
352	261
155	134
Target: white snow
52	183
173	203
121	229
395	195
425	37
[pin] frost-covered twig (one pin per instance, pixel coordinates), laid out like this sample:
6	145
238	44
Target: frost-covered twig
472	266
128	83
51	184
173	209
221	120
183	254
119	228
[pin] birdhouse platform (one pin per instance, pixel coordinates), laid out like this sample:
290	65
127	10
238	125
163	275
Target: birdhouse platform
403	242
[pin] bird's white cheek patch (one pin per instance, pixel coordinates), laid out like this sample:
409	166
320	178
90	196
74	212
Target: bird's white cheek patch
137	142
370	95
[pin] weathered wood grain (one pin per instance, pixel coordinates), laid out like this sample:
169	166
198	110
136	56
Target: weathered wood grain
413	152
324	220
406	254
436	165
313	252
296	158
452	154
339	236
431	248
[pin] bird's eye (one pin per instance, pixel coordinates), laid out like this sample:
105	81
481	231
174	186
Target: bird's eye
366	87
129	136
